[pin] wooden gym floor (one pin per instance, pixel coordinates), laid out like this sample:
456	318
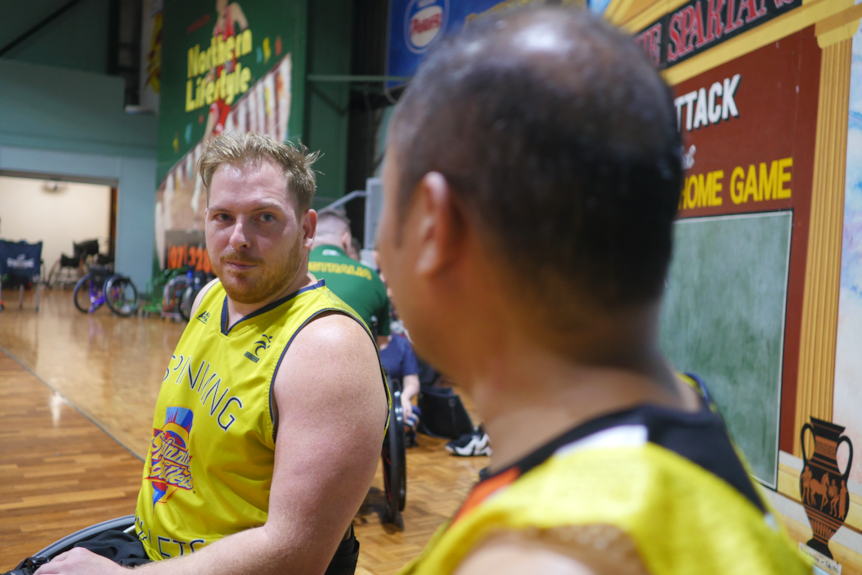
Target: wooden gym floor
77	394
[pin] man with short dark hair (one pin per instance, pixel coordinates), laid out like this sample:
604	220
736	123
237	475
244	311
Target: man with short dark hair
532	179
354	282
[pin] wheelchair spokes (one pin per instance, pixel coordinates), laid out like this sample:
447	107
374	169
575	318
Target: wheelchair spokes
99	287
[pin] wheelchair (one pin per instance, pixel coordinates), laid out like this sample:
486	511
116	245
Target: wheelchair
101	285
21	264
343	562
394	456
29	565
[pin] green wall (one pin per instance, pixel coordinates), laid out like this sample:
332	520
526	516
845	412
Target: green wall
56	121
78	39
326	113
60	109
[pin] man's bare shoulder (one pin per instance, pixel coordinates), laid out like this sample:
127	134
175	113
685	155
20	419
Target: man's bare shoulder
335	330
199	298
569	550
330	355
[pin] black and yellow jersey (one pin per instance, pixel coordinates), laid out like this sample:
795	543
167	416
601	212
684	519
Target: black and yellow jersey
660	489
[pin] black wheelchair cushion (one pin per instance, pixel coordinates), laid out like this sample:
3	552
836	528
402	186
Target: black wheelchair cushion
67	262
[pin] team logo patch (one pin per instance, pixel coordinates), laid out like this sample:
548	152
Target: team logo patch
203	317
169	455
259	346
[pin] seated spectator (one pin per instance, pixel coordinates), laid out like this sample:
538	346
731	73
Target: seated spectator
399	361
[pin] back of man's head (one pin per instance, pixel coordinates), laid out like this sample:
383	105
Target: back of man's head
332	225
559	138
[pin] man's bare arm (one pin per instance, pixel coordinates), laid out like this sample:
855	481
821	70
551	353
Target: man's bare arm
566	550
520	560
238	16
332	409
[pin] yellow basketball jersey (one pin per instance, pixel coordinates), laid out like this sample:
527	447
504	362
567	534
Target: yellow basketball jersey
209	470
675	516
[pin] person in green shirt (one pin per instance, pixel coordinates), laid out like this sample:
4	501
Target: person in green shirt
357	284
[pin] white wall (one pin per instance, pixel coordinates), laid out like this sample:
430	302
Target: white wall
135	202
74	213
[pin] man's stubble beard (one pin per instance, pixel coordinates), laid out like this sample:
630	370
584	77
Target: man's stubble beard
270	284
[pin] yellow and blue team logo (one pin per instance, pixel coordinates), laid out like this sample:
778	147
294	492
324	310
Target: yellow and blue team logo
169	455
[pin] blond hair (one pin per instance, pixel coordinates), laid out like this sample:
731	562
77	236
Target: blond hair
237	149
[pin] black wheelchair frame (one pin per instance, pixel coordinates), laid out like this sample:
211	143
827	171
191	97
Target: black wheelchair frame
29	565
395	456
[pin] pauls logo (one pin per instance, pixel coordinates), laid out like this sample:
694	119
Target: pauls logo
169	455
424	20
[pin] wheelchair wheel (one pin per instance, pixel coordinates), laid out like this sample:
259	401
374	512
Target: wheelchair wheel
188	300
395	461
173	295
81	295
121	295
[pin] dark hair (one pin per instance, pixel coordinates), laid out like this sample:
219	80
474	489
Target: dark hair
560	139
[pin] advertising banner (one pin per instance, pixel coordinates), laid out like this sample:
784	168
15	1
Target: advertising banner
699	25
226	66
151	53
414	26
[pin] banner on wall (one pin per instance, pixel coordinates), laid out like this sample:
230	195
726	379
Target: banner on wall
151	53
415	25
699	25
226	66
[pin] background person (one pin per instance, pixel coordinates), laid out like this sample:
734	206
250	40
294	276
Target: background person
532	179
399	361
355	250
271	414
354	282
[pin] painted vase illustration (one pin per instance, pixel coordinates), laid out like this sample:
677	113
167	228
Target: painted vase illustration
822	485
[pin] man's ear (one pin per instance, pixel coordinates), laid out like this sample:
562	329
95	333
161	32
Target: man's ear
309	228
346	241
440	224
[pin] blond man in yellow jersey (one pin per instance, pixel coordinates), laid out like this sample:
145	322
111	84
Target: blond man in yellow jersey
272	411
532	177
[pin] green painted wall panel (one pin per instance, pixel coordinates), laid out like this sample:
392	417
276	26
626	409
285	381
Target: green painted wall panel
723	319
78	39
61	109
330	33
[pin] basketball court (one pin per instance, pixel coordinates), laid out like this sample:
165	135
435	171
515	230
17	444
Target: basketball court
77	394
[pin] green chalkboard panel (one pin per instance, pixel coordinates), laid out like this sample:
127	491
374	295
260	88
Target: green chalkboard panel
723	319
